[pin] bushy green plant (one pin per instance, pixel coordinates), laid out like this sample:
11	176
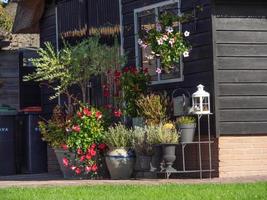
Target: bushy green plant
134	82
163	134
6	21
53	131
186	120
153	108
119	136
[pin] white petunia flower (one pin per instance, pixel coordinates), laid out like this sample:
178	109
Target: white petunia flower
169	29
186	33
186	54
171	41
165	37
140	42
160	41
150	57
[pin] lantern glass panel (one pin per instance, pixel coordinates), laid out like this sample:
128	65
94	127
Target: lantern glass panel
205	103
197	104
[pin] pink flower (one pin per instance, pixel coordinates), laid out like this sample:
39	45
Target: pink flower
160	41
165	37
87	112
76	128
79	114
91	152
98	115
88	156
82	158
64	147
94	168
79	151
72	167
88	168
158	70
93	146
65	162
78	170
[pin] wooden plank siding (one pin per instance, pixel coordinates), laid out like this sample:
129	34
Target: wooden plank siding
48	34
240	46
198	68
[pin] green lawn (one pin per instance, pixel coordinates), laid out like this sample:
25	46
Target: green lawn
130	192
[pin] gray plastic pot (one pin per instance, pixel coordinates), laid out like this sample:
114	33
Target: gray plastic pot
187	132
120	163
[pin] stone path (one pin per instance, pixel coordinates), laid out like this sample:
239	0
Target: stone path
46	180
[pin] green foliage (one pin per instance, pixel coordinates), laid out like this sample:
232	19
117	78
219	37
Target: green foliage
134	83
186	120
161	134
6	21
119	136
166	41
53	68
53	131
84	129
153	108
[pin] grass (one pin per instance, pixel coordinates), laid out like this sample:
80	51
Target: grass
249	191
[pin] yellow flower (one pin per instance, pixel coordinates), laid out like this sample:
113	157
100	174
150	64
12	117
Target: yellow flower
168	126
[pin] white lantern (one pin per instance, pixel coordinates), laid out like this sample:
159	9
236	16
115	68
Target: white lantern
201	101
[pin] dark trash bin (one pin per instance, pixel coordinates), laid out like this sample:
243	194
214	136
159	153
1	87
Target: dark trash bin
31	149
7	140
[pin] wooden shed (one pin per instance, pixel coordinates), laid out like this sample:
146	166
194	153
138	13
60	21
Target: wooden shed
229	45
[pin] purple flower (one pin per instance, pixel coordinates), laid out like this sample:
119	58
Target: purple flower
158	71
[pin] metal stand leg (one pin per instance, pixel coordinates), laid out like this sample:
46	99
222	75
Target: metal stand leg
209	145
199	148
183	147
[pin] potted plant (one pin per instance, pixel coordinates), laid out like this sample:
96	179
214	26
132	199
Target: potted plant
187	126
143	142
120	157
134	83
167	137
77	141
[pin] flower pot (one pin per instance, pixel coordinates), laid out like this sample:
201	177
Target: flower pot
187	132
156	158
168	157
120	163
143	163
66	171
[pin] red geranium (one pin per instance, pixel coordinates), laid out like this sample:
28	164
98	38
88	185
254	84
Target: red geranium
79	114
88	168
64	147
65	162
102	146
79	151
94	168
87	112
76	128
117	113
78	170
98	115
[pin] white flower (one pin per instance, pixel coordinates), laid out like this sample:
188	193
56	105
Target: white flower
165	37
152	52
140	42
186	54
171	41
144	46
169	29
186	33
160	41
158	27
158	71
150	57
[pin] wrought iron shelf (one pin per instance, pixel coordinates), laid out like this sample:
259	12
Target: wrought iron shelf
198	142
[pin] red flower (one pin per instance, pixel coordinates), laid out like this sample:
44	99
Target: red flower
88	168
76	128
117	113
94	168
106	93
65	162
64	147
108	106
88	156
126	69
133	70
87	112
78	170
102	146
98	115
145	70
92	152
93	146
117	74
82	158
79	151
79	114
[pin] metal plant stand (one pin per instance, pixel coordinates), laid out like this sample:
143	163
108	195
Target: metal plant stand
199	143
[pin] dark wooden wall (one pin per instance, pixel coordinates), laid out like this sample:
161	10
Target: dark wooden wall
9	74
48	34
198	68
240	66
